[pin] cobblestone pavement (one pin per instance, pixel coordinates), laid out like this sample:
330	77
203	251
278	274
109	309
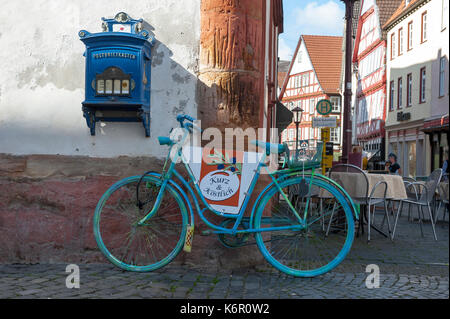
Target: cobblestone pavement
411	267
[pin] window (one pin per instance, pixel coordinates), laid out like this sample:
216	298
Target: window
336	103
409	90
291	134
391	97
442	77
444	16
312	106
424	27
393	46
400	93
422	95
372	62
400	41
335	135
306	79
410	35
300	54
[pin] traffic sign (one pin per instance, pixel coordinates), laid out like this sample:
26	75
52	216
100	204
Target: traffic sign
304	144
323	122
327	159
326	135
324	107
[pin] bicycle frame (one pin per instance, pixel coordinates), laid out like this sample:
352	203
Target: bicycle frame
167	178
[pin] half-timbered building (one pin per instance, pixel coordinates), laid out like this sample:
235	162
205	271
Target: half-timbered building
314	74
369	57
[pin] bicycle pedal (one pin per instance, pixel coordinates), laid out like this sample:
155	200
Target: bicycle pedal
189	239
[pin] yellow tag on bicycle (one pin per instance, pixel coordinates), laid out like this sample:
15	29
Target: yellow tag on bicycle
189	239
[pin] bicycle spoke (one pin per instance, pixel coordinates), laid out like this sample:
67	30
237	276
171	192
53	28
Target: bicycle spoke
149	245
307	248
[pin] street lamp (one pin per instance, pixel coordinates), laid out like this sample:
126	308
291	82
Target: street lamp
298	114
347	125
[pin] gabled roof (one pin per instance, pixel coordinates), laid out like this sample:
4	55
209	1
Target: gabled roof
356	12
402	10
283	69
385	10
281	77
325	53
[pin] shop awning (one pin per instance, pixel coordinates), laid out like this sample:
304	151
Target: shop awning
436	125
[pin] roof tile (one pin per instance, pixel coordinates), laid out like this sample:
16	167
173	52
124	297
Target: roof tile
399	11
326	56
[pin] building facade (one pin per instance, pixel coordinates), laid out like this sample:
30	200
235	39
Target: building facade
214	60
418	85
370	61
314	75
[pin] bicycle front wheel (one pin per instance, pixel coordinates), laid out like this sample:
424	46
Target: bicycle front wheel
321	243
140	248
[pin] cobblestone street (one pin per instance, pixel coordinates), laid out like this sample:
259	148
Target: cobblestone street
411	267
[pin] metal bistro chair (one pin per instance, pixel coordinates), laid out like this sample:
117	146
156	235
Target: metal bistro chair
424	193
368	199
443	201
311	159
411	192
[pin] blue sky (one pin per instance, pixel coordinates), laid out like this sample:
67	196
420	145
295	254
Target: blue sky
318	17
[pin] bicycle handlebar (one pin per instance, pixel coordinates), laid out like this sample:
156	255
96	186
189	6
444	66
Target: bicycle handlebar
182	118
190	126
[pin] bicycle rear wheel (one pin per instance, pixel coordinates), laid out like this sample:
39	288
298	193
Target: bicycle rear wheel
305	251
140	248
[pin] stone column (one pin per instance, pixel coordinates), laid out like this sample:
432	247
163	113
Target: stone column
230	92
231	67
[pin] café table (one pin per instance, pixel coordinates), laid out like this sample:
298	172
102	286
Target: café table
355	185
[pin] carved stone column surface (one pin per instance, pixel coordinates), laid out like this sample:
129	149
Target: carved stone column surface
231	64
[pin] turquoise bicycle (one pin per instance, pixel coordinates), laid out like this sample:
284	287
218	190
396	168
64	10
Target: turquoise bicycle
303	222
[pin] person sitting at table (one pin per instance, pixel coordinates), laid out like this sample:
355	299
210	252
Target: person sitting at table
445	168
392	166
